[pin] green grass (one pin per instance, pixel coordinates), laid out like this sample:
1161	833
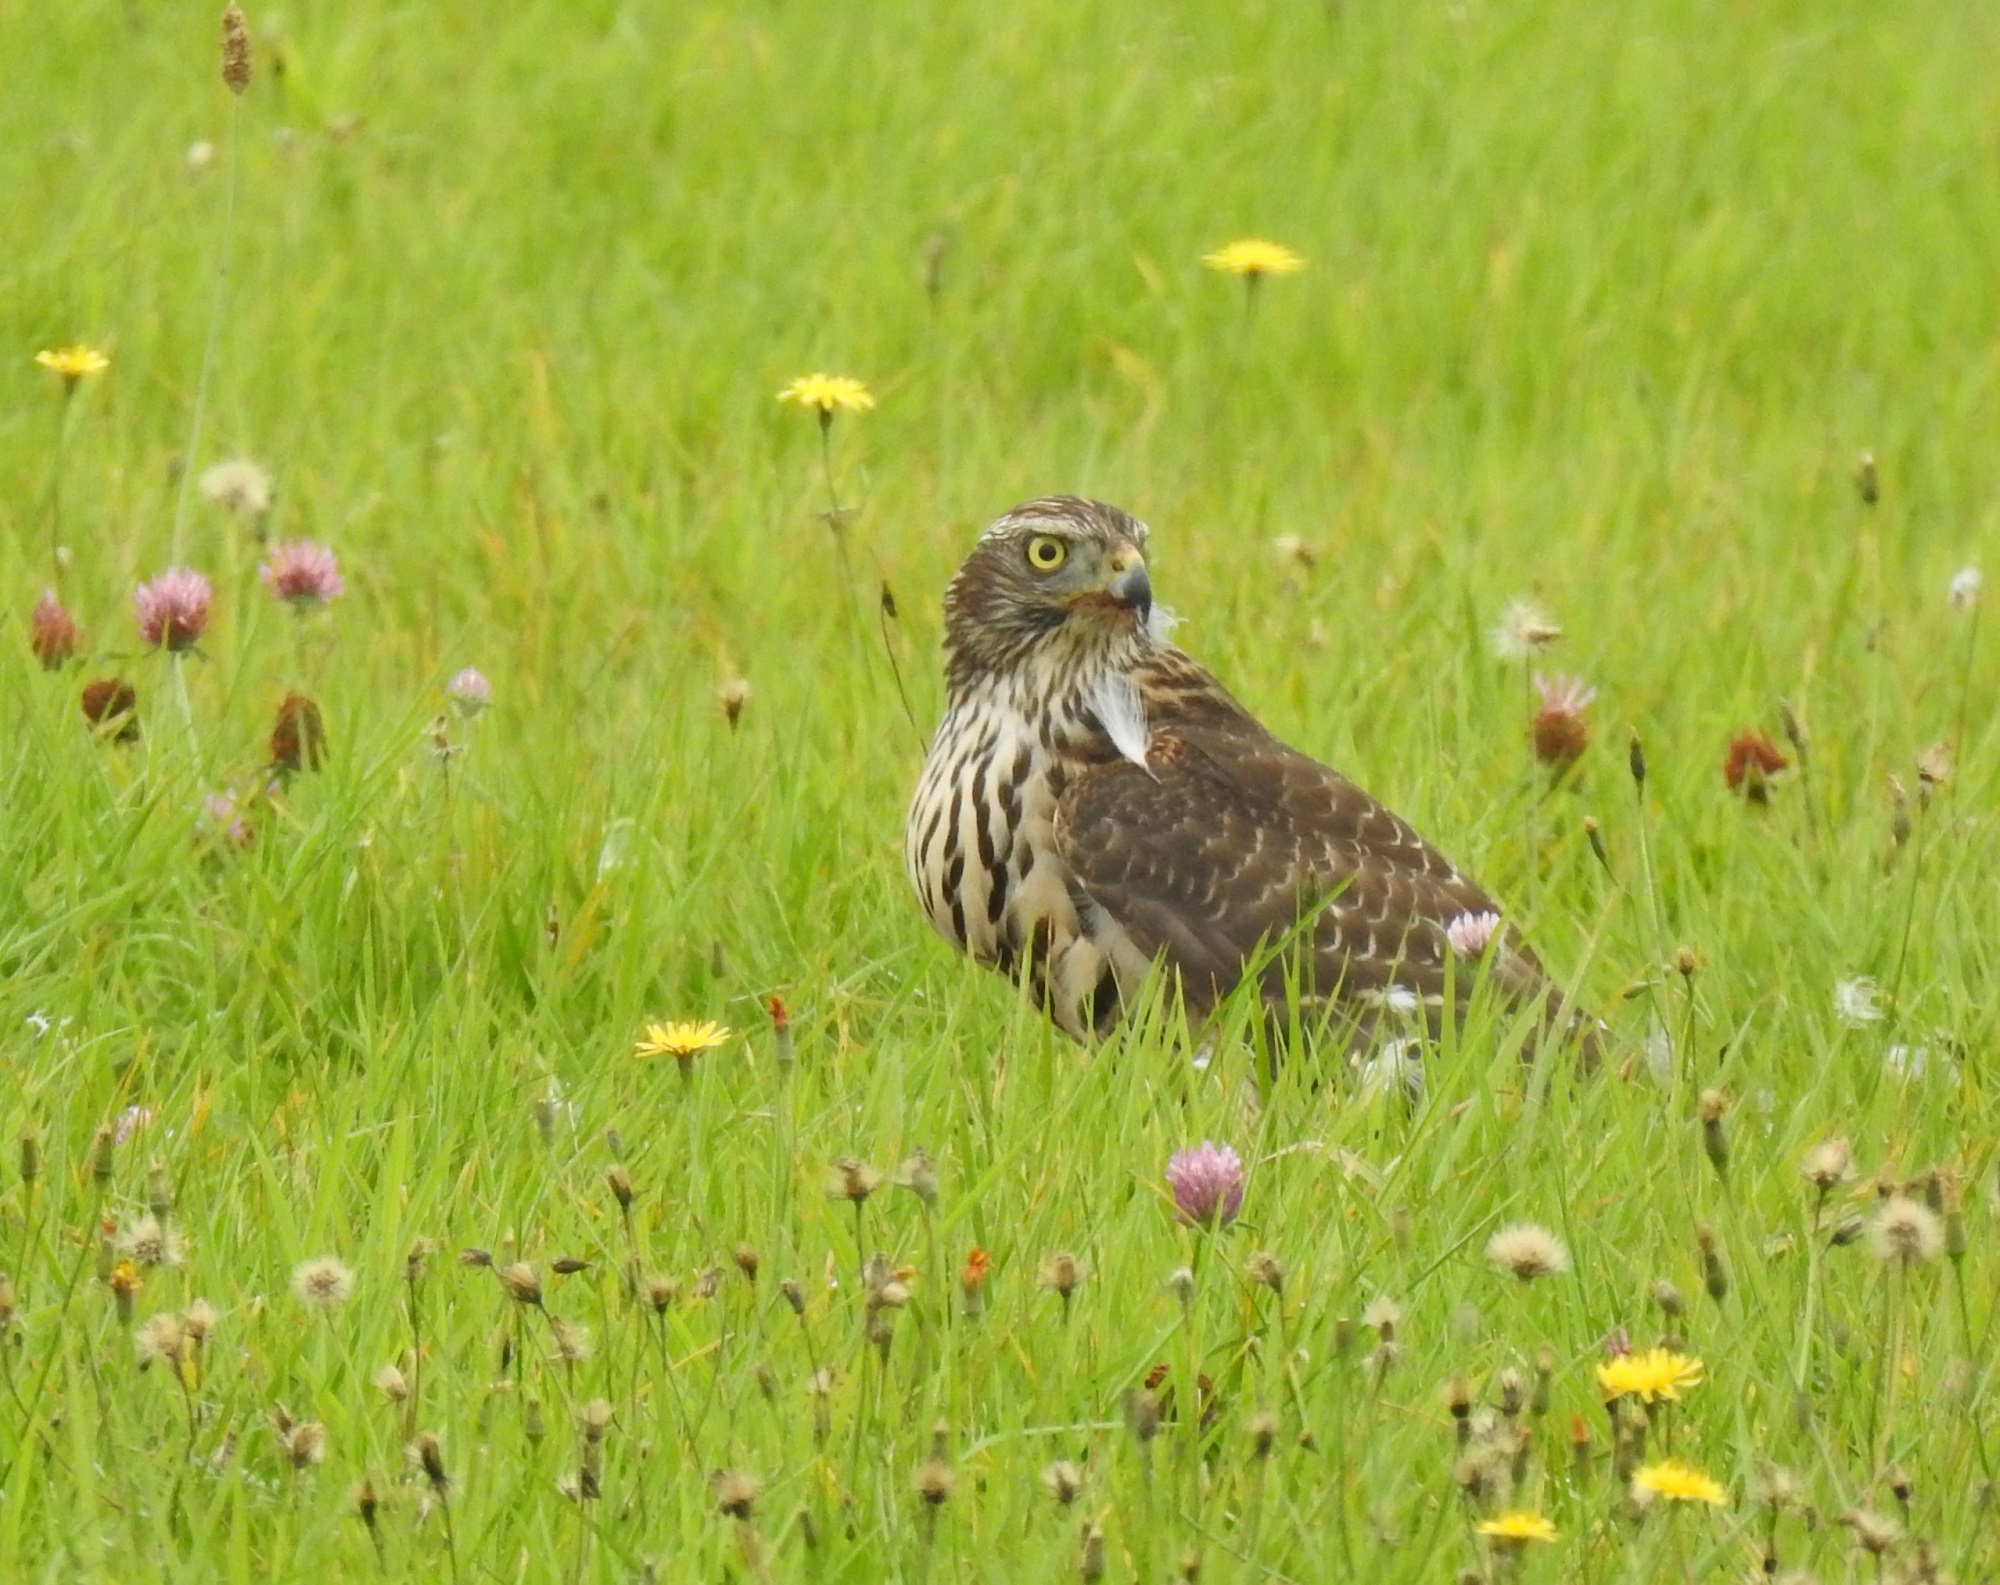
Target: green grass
1604	304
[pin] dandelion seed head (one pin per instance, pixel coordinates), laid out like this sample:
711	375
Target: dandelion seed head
323	1283
1827	1163
238	485
1528	1251
161	1338
1522	631
1907	1231
1855	1002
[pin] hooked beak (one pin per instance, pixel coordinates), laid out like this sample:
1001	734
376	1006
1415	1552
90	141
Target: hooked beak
1128	583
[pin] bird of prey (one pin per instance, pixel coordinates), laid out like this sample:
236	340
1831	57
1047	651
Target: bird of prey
1095	803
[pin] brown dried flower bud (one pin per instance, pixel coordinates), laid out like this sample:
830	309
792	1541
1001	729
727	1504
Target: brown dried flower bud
854	1179
568	1265
1714	1271
619	1181
298	736
111	706
51	632
933	1482
1263	1430
661	1292
735	1493
1063	1481
305	1444
1712	1108
794	1295
430	1458
1142	1415
1061	1272
521	1284
918	1174
1090	1566
747	1261
31	1154
1266	1270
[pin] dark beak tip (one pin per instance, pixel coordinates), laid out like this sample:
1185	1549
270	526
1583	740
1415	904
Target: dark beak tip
1134	590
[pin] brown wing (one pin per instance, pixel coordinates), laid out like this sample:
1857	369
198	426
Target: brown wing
1227	842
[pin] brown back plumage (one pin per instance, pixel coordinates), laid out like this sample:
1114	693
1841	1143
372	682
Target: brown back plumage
1095	803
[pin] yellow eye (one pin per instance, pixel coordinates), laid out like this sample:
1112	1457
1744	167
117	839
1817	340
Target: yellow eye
1046	553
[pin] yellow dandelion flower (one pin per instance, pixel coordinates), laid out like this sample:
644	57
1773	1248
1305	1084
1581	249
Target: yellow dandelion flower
681	1039
1255	258
828	394
73	363
1657	1374
1675	1481
1518	1526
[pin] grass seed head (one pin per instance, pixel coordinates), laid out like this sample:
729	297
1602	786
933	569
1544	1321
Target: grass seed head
235	49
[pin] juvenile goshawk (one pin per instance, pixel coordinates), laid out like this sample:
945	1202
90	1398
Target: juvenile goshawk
1094	802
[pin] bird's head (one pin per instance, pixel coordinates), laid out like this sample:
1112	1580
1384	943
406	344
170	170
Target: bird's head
1060	574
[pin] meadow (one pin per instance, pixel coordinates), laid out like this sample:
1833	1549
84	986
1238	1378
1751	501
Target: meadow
346	1230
